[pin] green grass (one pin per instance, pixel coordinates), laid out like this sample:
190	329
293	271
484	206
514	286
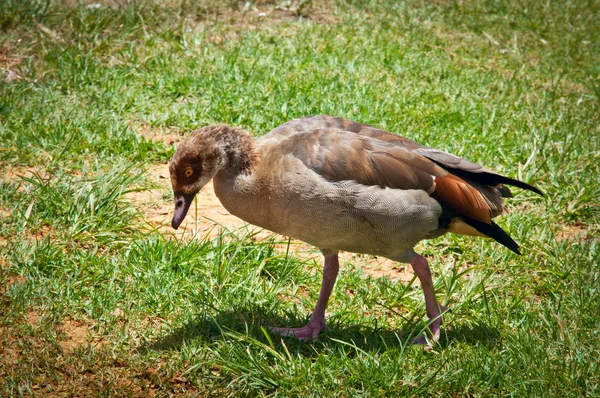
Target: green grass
512	85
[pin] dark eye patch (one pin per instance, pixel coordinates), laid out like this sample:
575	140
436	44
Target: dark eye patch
191	172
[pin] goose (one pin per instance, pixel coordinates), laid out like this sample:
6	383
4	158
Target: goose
341	185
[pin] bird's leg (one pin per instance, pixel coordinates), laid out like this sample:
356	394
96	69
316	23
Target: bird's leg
317	319
434	309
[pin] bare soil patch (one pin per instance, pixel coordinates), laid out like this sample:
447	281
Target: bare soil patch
68	375
9	354
157	135
14	280
33	318
12	173
10	61
258	15
376	267
573	232
5	212
76	334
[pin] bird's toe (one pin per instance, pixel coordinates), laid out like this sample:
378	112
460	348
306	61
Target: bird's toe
307	332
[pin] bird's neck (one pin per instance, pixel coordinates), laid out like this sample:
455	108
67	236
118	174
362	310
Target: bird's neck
234	182
238	151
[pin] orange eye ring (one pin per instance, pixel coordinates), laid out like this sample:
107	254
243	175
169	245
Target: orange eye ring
189	172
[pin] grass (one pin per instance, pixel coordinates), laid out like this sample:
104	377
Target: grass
512	85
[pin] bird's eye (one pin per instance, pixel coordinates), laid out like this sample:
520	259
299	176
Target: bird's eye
189	172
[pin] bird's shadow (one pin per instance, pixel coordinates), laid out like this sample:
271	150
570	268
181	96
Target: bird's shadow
253	322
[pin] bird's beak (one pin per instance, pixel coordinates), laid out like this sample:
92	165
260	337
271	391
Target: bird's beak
182	205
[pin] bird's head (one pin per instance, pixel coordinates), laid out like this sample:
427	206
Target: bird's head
194	164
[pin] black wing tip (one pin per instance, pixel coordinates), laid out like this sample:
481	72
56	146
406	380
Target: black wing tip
524	185
488	178
500	179
505	239
494	231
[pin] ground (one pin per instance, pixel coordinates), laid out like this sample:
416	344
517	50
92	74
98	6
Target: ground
100	297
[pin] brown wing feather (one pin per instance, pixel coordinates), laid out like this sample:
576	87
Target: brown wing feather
463	197
351	150
341	155
485	193
396	170
361	129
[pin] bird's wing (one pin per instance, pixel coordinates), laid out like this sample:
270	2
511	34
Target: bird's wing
462	168
339	155
458	166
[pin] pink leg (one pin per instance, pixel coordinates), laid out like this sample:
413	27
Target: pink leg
434	310
317	319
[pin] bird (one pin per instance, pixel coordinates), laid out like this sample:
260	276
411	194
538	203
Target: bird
340	185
